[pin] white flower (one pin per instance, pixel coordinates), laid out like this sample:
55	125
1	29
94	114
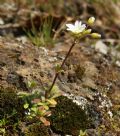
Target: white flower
76	28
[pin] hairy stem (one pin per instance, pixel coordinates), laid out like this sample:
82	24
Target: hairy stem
61	67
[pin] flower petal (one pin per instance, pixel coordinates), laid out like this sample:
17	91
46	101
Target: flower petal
80	23
70	26
83	26
69	29
76	23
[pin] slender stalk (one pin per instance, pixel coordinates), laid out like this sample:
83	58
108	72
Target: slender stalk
61	67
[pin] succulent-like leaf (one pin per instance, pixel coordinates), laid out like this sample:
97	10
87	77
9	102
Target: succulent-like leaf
26	105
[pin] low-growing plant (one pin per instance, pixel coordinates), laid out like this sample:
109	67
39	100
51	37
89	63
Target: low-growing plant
83	133
42	36
37	106
3	123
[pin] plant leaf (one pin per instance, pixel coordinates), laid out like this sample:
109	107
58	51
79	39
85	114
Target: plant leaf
26	105
51	101
44	121
34	109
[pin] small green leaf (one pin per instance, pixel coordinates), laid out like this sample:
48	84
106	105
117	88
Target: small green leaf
82	133
57	68
46	107
23	94
40	104
44	121
26	105
34	109
31	84
55	92
2	130
51	101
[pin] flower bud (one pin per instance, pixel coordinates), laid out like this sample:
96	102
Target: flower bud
91	20
95	35
88	31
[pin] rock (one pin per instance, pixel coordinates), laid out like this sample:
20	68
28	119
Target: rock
101	47
1	21
87	82
22	39
118	63
79	100
17	80
90	69
22	62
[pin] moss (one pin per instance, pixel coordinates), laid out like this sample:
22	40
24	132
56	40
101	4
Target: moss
11	106
68	118
10	133
37	129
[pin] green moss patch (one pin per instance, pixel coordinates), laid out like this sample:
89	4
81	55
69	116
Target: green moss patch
37	129
68	118
11	109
